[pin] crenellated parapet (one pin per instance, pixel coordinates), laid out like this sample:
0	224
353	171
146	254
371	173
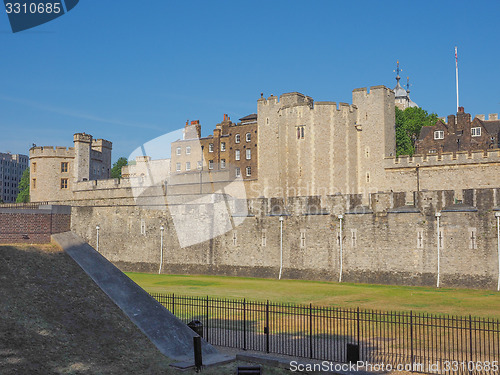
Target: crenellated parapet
444	159
51	151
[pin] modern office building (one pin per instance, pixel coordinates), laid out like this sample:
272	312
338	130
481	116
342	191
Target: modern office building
12	167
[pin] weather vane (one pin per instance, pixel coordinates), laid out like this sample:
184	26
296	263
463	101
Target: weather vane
397	71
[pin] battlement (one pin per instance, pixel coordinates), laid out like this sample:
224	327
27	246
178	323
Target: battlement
288	99
447	158
111	183
101	143
82	137
296	99
51	151
491	117
373	90
381	203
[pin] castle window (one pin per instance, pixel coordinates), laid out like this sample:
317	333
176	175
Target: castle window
476	132
178	151
235	237
64	166
143	227
178	167
249	154
188	166
237	154
222	163
367	152
439	134
211	147
249	171
237	172
300	132
420	239
264	239
303	238
433	151
237	138
34	167
188	150
367	176
64	183
248	137
354	237
472	239
223	146
210	164
33	184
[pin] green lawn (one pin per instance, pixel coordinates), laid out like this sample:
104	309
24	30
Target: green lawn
482	303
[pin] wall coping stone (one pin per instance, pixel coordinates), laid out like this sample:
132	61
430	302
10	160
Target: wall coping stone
459	207
404	210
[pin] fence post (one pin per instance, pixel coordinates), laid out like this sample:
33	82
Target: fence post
244	324
470	337
206	314
310	331
411	336
173	303
266	331
357	324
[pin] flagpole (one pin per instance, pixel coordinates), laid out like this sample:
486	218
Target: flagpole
456	69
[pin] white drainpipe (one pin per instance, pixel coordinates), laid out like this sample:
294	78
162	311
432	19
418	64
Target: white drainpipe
97	229
281	246
162	228
497	215
438	215
341	249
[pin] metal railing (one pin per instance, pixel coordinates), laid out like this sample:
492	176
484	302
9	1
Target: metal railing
405	340
26	206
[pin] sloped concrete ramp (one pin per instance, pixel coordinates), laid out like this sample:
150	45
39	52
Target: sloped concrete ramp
170	335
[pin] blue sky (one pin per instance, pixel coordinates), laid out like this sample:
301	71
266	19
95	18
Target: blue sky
130	71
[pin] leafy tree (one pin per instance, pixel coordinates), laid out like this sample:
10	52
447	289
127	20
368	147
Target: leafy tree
408	125
116	171
24	187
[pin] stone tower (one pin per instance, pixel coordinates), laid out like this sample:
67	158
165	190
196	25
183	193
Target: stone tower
82	145
375	123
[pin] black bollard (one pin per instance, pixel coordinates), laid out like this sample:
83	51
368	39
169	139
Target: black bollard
198	360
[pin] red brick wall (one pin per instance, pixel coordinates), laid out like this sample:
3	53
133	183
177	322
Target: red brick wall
31	226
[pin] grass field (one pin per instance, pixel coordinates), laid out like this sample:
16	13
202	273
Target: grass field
483	303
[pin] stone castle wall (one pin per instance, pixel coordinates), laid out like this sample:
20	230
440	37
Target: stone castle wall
384	242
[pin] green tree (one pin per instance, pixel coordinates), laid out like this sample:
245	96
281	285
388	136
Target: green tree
24	187
116	171
408	125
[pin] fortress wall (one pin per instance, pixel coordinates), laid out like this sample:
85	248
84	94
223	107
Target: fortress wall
435	177
387	244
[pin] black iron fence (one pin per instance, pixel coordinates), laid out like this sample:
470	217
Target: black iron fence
397	340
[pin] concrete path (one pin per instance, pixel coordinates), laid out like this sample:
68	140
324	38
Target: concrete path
171	336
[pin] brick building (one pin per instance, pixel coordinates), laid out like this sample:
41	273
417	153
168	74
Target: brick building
12	167
232	148
459	133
